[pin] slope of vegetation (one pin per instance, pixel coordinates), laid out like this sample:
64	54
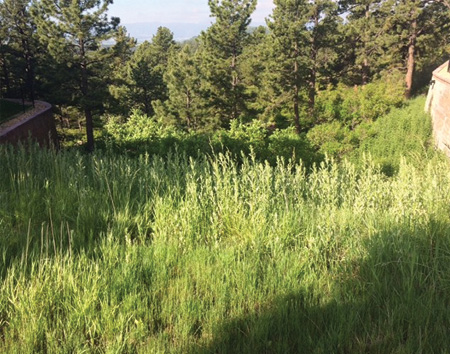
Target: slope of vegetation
109	253
404	132
308	70
221	214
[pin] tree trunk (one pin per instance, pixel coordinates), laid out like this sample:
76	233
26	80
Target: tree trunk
27	54
89	130
366	68
313	69
29	80
296	93
234	86
147	102
411	59
312	90
296	111
85	92
188	109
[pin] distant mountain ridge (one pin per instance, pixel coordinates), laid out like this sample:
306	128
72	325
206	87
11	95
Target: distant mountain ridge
182	31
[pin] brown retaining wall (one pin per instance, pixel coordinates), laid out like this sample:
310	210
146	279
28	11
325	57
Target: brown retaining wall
438	105
37	124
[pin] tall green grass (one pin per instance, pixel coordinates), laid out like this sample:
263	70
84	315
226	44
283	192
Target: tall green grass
404	132
106	253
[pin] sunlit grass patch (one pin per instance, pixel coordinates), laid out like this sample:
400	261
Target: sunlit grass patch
106	253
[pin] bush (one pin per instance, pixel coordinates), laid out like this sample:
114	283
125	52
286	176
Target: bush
353	105
140	134
336	140
404	132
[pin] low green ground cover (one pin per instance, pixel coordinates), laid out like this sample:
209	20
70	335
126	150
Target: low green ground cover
111	253
9	109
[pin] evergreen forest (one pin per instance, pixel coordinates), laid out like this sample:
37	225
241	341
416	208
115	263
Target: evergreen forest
269	189
317	67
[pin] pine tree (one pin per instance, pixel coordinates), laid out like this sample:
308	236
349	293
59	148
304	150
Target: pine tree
73	32
303	36
254	59
368	35
223	44
4	74
417	22
186	104
123	50
322	36
143	77
17	33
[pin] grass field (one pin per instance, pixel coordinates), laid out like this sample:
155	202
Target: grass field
106	253
9	109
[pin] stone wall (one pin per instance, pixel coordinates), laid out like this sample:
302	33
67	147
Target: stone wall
37	124
438	105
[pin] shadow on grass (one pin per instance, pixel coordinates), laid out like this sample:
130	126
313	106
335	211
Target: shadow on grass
43	211
394	299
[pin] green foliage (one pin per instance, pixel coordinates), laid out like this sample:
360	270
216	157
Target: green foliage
74	34
222	47
347	115
302	34
18	50
141	78
106	253
141	134
186	105
353	105
402	133
333	139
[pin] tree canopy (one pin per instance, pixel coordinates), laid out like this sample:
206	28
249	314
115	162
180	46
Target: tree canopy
297	71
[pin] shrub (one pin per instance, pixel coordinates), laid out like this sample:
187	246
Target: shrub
140	134
352	105
404	132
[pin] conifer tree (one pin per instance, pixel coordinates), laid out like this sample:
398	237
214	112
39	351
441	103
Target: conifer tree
73	32
322	36
288	29
223	44
123	50
185	104
302	34
4	74
396	35
255	75
367	33
143	76
17	37
417	24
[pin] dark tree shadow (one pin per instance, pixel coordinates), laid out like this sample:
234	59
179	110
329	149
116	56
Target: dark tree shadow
394	299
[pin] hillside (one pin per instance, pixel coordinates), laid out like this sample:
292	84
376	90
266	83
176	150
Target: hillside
106	252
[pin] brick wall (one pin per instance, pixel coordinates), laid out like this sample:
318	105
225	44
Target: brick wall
40	126
438	105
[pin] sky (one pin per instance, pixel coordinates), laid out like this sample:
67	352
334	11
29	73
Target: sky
175	11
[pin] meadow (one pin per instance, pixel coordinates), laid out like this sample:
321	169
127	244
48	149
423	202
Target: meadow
108	253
